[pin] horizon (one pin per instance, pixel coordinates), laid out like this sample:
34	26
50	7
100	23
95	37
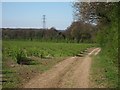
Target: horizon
29	14
30	28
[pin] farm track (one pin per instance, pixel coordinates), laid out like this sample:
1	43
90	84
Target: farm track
70	73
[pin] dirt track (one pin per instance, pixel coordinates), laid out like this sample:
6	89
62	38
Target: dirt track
70	73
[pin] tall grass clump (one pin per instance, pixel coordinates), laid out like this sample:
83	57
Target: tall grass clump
21	56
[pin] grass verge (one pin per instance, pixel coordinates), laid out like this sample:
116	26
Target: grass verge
15	76
104	73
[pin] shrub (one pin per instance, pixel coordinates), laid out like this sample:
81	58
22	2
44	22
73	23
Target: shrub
21	56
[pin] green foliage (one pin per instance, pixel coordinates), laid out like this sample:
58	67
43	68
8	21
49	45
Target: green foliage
20	50
21	56
108	36
81	32
104	73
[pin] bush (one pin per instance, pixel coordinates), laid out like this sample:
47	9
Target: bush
21	56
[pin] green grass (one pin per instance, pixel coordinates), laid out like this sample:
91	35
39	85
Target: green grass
15	76
10	48
104	72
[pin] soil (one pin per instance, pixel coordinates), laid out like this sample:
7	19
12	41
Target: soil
69	73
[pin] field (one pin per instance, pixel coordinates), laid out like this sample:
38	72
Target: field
42	49
42	54
64	53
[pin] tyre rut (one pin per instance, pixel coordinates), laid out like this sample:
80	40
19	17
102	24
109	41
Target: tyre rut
70	73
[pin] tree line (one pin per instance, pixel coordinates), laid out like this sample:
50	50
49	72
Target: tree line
31	34
77	32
